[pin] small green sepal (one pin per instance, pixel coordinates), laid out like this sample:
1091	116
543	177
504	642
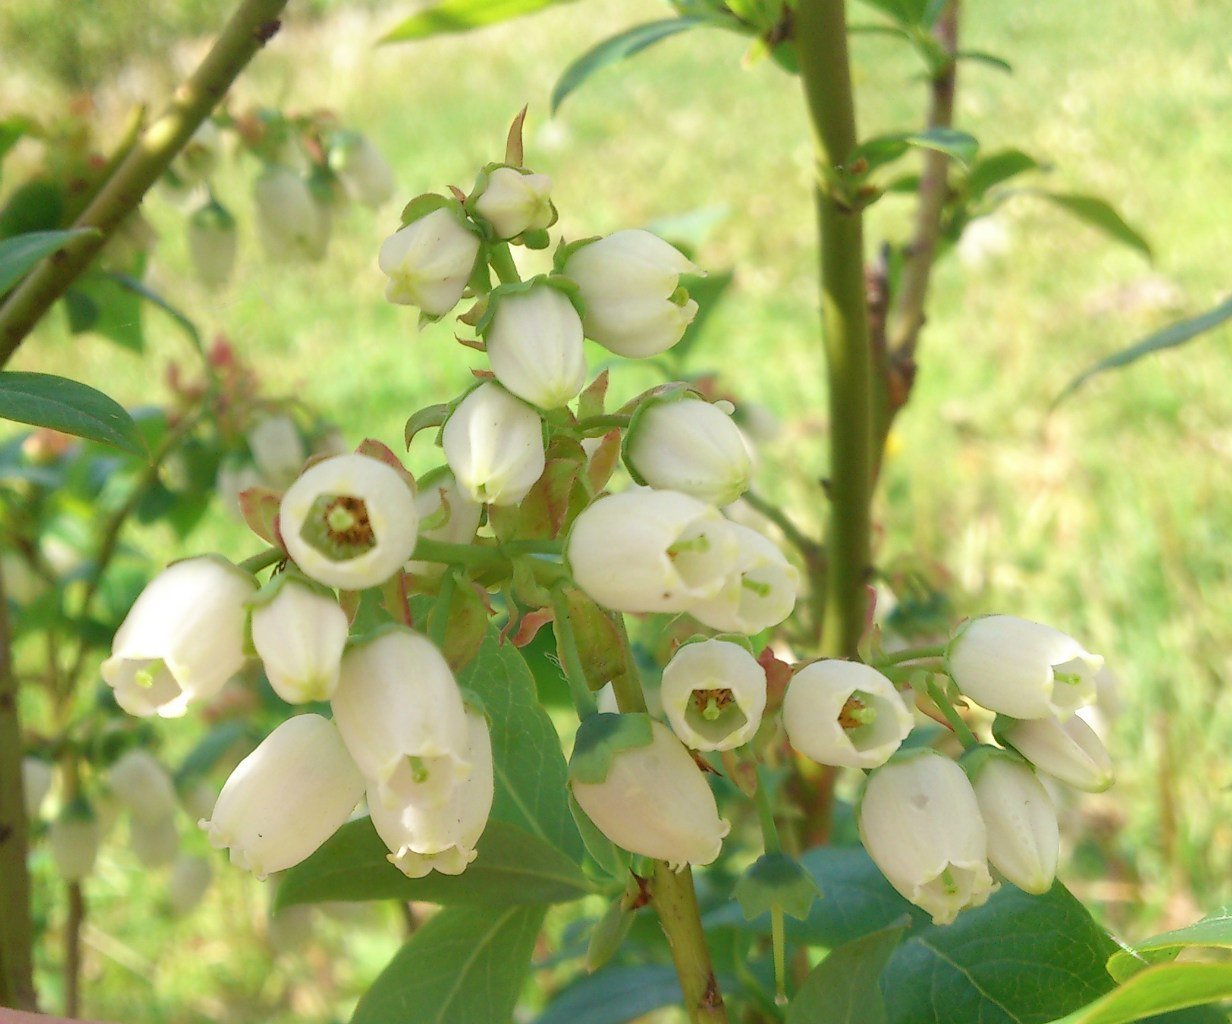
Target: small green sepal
776	881
600	738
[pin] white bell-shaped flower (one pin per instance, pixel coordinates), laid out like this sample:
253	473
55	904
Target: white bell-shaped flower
446	514
534	343
1019	817
429	262
364	172
651	551
629	285
692	446
183	638
277	450
189	882
299	633
142	785
714	694
401	714
759	591
289	221
493	442
1069	751
1022	669
212	244
155	841
845	714
921	825
349	521
287	797
441	837
75	837
656	802
513	202
36	779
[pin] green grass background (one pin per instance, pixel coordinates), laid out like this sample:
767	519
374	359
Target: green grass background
1110	517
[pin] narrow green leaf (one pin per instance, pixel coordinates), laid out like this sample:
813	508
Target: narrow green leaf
512	868
451	16
21	252
1167	337
905	12
465	966
998	167
98	302
44	400
1157	990
843	988
617	48
614	995
1213	932
1099	214
956	145
991	59
141	290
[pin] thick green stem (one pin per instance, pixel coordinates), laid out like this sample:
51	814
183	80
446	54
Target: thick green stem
249	29
16	927
961	730
821	39
502	262
262	560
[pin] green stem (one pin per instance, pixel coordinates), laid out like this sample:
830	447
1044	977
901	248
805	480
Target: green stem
502	262
601	424
458	554
965	736
765	812
262	560
570	658
821	40
910	654
438	621
250	27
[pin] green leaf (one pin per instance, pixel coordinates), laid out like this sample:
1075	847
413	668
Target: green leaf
617	48
615	995
44	400
465	966
998	167
1019	959
1099	214
1213	932
1167	337
21	252
883	149
905	12
139	289
98	302
991	59
512	867
450	16
843	988
1157	990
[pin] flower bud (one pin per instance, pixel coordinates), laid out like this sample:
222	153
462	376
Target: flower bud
845	714
75	837
155	841
141	783
759	591
363	171
920	823
212	243
182	640
442	837
429	262
629	285
401	714
1021	669
189	882
514	201
299	633
1020	820
494	444
1069	751
651	551
534	342
653	799
445	514
691	446
714	693
287	797
277	450
349	521
36	779
235	476
288	219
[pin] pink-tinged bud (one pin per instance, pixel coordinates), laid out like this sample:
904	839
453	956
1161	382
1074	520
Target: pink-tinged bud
845	714
182	640
714	694
494	444
1022	669
287	797
349	522
429	262
921	825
